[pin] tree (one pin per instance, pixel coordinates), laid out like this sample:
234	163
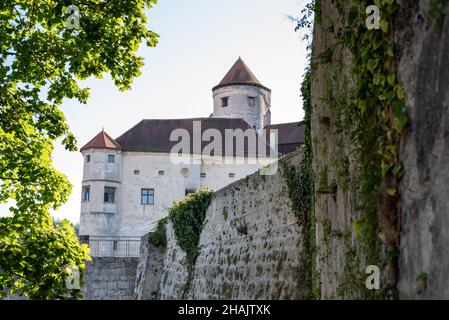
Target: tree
45	48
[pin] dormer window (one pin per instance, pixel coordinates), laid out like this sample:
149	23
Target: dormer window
224	101
252	101
111	158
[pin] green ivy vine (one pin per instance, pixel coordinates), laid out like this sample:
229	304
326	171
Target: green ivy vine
374	119
158	237
378	118
300	185
188	217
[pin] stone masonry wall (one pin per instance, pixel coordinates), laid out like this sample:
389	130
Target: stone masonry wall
174	274
250	245
110	278
149	270
422	55
334	162
423	48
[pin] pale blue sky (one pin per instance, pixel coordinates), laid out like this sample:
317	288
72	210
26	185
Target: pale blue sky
199	42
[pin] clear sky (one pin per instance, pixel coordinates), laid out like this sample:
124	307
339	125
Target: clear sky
199	41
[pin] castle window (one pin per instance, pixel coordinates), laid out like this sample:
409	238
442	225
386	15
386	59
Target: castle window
136	171
189	191
203	175
88	158
161	172
111	158
147	196
86	193
252	101
224	102
109	194
231	175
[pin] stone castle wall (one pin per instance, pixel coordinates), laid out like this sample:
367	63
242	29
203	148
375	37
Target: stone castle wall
423	48
149	270
110	278
250	245
422	55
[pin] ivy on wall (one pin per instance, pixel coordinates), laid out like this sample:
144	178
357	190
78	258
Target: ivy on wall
188	217
378	118
300	184
158	237
373	119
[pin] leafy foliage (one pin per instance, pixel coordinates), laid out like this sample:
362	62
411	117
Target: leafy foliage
188	217
41	61
304	23
300	183
378	118
36	258
158	237
374	118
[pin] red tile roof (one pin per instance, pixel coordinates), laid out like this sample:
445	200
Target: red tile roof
239	74
101	141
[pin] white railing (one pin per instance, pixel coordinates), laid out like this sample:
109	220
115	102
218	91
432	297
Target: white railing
112	246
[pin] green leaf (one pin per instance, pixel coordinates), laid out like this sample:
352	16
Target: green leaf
390	79
362	105
391	191
384	25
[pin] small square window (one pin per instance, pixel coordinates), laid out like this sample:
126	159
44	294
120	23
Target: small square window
86	193
109	194
136	171
203	175
111	158
189	191
88	158
161	172
224	101
231	175
147	196
252	101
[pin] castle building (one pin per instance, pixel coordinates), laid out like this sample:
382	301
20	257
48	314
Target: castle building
130	182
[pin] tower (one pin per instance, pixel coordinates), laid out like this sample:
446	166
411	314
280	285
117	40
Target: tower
100	198
241	95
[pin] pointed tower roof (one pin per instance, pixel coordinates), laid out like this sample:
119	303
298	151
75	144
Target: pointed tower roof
239	74
101	141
